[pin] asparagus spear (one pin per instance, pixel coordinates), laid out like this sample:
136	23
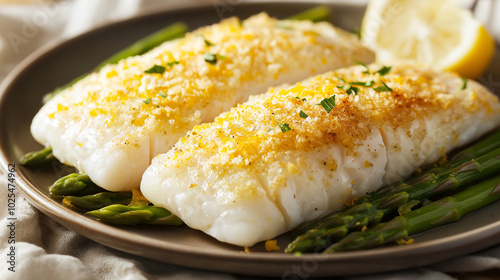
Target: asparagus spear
316	14
171	32
426	184
38	158
74	185
446	210
93	197
137	212
487	144
98	200
370	212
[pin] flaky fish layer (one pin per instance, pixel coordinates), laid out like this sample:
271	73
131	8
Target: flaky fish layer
282	158
112	123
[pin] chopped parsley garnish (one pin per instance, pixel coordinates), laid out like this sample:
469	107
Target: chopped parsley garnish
384	70
284	127
385	87
210	58
464	83
349	89
162	94
328	103
363	84
303	99
367	71
146	101
156	69
172	63
303	115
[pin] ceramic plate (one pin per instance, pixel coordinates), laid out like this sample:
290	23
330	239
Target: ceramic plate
52	66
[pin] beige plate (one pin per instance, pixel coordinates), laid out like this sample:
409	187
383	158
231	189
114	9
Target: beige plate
52	66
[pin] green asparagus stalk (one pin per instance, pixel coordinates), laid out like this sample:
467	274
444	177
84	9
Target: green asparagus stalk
444	211
449	178
312	235
320	237
138	212
423	187
316	14
98	200
74	185
487	144
171	32
38	158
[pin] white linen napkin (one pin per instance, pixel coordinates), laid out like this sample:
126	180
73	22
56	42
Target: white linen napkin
47	250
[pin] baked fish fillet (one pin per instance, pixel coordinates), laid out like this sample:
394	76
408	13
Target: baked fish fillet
280	159
111	124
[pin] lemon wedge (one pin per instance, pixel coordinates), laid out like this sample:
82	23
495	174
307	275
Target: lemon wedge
439	33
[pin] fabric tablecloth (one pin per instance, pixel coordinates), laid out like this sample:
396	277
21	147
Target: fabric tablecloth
47	250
